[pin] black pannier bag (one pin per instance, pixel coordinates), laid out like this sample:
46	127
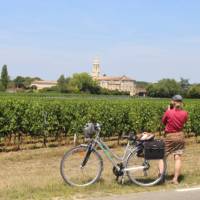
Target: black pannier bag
154	150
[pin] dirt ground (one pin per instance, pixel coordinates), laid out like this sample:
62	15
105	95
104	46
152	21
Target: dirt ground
34	174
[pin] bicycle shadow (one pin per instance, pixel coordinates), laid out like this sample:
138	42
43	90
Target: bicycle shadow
127	182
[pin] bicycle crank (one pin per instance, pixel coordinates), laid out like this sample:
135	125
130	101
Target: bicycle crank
118	172
146	167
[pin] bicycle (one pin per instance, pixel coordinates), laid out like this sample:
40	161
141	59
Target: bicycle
83	165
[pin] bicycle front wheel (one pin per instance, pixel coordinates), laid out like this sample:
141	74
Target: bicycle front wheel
74	173
144	172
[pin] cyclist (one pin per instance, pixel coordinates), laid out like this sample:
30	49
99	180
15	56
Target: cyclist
174	119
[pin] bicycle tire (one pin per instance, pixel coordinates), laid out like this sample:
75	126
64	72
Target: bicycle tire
138	180
66	160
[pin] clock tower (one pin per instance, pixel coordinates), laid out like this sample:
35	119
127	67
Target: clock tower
96	68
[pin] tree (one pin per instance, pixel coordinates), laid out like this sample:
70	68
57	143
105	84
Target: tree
28	80
24	82
83	82
62	84
194	91
19	82
164	88
4	77
2	87
142	84
184	83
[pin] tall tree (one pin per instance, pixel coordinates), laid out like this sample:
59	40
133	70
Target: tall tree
4	77
62	84
19	82
83	82
185	84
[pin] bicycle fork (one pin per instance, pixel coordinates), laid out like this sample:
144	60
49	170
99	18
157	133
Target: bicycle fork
87	156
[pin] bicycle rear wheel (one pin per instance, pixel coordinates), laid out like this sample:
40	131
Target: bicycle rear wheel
74	173
145	172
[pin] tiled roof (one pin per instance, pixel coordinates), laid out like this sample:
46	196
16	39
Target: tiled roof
112	78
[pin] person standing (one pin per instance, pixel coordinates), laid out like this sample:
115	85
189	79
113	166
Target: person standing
174	120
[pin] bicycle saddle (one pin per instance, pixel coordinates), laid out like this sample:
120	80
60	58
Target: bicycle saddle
147	136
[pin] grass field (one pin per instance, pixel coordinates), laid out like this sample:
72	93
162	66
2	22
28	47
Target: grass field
34	174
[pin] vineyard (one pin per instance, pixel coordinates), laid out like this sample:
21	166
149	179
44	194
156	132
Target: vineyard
44	117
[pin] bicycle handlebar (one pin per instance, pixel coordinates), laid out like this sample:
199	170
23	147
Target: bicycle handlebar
131	137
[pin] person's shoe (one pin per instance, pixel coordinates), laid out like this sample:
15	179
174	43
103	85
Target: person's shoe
175	182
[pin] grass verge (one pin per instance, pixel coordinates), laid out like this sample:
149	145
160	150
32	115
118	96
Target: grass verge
34	175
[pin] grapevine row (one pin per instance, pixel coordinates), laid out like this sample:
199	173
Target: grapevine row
52	117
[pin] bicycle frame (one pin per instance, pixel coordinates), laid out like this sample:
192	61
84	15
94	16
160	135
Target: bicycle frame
112	157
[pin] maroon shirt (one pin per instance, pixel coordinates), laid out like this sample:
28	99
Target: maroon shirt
174	120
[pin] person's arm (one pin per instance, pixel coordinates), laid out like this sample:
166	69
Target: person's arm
164	119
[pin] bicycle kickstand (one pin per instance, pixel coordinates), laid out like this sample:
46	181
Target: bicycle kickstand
120	179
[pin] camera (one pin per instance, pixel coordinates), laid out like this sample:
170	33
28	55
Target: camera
171	105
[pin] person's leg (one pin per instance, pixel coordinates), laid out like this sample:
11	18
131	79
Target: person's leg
177	168
161	166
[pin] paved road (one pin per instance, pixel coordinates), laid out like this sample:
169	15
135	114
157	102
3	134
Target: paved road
185	194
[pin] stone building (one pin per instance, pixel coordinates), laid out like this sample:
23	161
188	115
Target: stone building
43	84
121	83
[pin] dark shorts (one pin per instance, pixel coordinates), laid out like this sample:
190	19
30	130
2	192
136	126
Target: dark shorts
174	143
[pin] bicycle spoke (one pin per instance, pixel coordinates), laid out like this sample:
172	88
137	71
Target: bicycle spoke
72	171
141	172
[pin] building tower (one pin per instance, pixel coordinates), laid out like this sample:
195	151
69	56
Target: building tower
96	68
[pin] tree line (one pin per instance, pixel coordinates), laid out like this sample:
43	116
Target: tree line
83	83
19	82
78	83
168	87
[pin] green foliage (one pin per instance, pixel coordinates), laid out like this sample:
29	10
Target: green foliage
194	91
19	82
2	89
49	91
45	117
78	83
105	91
4	77
184	83
83	82
24	82
142	84
164	88
169	87
62	84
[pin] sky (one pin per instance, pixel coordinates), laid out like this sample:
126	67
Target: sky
144	39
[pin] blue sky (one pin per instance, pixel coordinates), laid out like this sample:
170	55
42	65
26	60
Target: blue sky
144	39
